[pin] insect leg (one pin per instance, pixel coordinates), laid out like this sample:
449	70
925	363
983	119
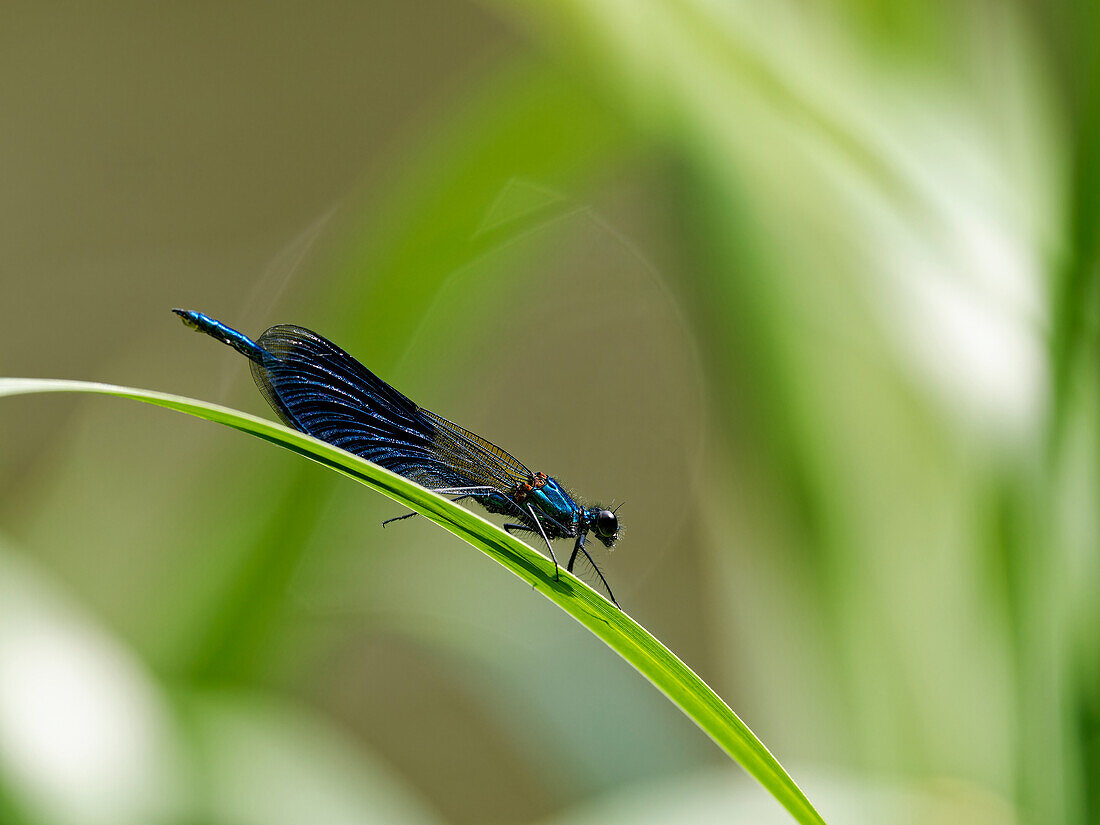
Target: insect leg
446	491
535	519
579	548
518	527
410	515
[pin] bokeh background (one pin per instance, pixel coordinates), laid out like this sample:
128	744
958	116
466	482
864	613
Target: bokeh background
809	286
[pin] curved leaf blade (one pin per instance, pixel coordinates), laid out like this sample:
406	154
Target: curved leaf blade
621	633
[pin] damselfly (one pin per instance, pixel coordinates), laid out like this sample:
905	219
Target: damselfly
317	388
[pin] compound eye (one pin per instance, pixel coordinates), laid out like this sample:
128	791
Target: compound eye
607	524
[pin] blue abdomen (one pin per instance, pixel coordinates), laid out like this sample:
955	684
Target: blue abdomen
227	335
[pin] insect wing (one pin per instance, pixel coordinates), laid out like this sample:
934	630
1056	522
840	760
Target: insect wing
319	389
476	456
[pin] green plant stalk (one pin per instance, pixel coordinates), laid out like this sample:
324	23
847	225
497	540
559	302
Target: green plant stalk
621	633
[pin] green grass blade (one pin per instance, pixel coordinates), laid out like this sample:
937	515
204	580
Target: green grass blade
621	633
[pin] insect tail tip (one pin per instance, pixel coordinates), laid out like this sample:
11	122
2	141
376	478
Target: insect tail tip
186	315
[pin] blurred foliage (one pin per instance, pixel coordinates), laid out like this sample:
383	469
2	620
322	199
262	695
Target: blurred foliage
811	287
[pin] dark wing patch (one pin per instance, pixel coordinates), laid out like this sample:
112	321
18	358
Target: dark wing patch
319	389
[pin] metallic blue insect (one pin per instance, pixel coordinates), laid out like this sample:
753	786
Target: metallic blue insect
319	389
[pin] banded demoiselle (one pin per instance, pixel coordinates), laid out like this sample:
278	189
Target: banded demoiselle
317	388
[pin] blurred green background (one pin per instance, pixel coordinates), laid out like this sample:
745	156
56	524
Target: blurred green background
810	287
